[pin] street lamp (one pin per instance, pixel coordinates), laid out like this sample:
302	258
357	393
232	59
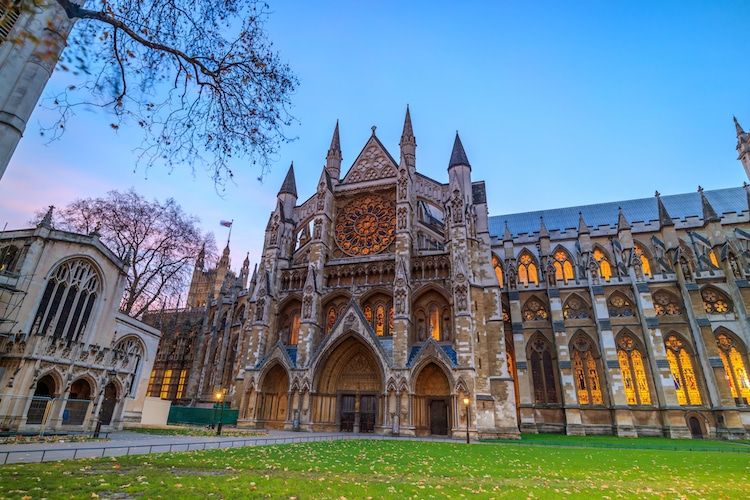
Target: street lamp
468	417
220	400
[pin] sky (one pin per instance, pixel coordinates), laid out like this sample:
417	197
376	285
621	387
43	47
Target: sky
557	104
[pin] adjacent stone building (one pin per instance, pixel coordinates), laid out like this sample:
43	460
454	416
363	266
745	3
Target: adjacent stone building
68	358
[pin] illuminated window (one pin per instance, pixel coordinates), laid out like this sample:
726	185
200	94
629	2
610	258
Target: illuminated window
575	308
620	306
714	260
683	374
666	304
641	255
498	267
330	319
165	384
368	314
586	373
181	384
290	323
734	368
605	269
715	302
563	267
527	270
153	390
390	320
380	321
633	371
533	310
378	312
542	370
433	317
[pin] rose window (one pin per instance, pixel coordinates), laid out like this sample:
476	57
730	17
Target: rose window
365	226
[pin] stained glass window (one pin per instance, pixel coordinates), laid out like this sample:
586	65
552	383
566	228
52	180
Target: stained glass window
575	308
378	312
181	384
390	320
542	370
164	394
683	374
633	371
294	333
330	319
713	259
605	269
715	302
380	321
563	267
365	226
586	373
527	270
368	314
666	304
533	310
734	368
619	306
645	265
498	267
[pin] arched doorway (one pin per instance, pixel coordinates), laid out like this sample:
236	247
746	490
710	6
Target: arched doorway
350	387
696	430
42	399
108	404
77	404
432	402
274	398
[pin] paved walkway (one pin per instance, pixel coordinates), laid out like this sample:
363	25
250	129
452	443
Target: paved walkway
134	443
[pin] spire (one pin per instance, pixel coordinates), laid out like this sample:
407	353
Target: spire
200	259
709	214
47	219
335	142
333	158
506	233
254	279
407	135
664	218
543	233
737	126
582	227
290	185
458	156
622	222
246	262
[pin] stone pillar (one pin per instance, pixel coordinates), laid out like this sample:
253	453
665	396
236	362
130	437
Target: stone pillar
573	420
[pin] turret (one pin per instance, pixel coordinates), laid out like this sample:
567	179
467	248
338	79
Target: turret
408	142
459	170
245	271
200	260
333	158
743	146
288	193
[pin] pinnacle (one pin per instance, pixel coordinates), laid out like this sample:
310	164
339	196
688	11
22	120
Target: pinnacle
582	227
290	185
408	131
664	218
335	141
458	155
737	126
709	214
622	222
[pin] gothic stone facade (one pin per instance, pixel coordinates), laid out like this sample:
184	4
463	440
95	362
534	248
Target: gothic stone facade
68	358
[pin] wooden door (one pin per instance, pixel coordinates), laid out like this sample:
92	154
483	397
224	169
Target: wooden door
347	412
438	417
367	413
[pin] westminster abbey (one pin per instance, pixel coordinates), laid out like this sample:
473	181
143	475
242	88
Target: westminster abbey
391	302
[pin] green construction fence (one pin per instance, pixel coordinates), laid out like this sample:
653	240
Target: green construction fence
201	416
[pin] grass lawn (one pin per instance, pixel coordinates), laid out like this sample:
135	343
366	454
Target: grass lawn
395	469
179	430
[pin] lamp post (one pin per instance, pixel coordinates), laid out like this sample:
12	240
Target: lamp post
220	400
468	417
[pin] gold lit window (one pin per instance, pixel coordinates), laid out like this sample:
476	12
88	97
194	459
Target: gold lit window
181	384
735	369
605	269
533	310
714	260
619	306
527	270
586	373
683	374
153	390
715	302
165	384
380	321
563	267
641	255
633	371
498	267
379	314
666	304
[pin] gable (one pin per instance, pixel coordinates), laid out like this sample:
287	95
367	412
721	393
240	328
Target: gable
373	163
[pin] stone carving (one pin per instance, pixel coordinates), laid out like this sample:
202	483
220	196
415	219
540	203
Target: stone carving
307	307
461	299
365	225
457	207
402	185
401	218
400	301
318	228
260	306
371	165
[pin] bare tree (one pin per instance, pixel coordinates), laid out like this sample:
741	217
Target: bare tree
159	239
199	77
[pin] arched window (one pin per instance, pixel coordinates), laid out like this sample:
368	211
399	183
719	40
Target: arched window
713	259
683	373
498	267
735	368
586	372
620	306
8	254
68	300
666	303
542	369
605	269
330	319
715	301
633	370
131	349
289	321
8	16
641	255
527	269
433	317
563	267
377	312
576	308
534	309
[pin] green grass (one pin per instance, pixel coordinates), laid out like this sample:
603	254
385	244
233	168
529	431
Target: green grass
393	469
178	430
643	443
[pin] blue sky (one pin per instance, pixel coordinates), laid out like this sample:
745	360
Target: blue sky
557	104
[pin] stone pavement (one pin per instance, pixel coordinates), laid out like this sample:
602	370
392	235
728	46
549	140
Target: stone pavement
134	443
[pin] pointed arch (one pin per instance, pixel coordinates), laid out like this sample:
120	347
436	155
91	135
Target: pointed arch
273	395
733	353
715	301
586	369
682	365
497	266
620	305
563	264
432	313
644	256
377	306
528	268
631	356
601	256
543	360
534	309
576	307
666	303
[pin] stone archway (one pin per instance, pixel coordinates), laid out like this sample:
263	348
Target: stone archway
274	398
109	402
432	402
77	403
42	400
349	395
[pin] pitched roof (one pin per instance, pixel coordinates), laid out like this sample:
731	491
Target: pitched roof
458	155
289	185
680	206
